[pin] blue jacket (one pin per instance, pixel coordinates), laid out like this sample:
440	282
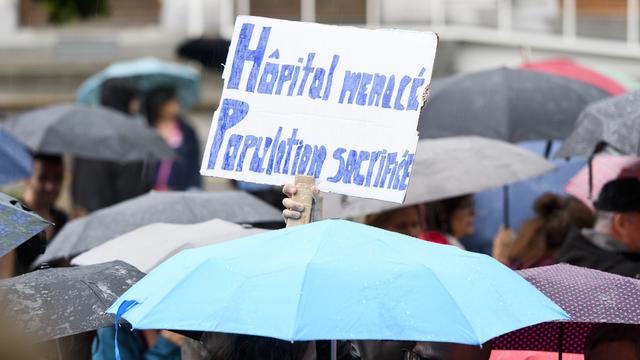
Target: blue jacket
131	346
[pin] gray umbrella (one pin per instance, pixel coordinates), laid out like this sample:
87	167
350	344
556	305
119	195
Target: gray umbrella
450	167
88	232
506	104
614	122
52	303
88	132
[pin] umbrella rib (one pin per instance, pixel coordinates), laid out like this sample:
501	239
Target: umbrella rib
306	269
454	302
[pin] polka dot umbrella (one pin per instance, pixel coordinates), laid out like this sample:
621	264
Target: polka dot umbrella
588	296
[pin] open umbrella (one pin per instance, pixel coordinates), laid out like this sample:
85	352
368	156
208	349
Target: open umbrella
52	303
88	132
15	159
450	167
177	207
17	223
146	73
588	296
614	122
336	279
508	104
490	204
146	247
210	52
611	82
604	168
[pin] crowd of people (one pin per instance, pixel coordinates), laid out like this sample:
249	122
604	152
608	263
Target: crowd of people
564	229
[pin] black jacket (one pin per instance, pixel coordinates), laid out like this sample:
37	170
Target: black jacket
97	184
581	250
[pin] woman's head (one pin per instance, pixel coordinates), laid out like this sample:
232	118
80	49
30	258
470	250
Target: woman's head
555	217
454	216
161	105
406	220
120	94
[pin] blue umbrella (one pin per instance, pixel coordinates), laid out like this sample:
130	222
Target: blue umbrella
15	159
490	204
336	279
147	73
17	224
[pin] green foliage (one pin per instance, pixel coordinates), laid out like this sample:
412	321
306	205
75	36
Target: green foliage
64	11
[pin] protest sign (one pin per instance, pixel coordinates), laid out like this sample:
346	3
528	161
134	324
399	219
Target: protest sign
340	104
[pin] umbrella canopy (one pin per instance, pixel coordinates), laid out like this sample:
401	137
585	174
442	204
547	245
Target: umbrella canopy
15	159
575	71
177	207
604	168
148	246
146	73
588	296
210	52
490	204
611	81
506	104
87	132
17	223
442	169
614	122
335	279
52	303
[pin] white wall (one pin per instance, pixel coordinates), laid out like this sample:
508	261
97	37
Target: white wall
191	16
8	16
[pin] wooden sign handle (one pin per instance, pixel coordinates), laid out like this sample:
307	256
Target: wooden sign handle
304	195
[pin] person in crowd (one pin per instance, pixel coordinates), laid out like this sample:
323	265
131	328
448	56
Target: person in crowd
613	341
96	183
613	245
224	346
41	192
454	218
540	238
163	114
405	220
136	345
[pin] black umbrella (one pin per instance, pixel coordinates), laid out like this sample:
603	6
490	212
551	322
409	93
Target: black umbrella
87	132
210	52
18	224
506	104
613	122
177	207
52	303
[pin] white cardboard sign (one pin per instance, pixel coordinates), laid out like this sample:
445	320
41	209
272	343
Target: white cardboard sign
340	104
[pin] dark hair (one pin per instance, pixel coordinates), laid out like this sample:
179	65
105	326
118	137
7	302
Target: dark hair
555	217
118	93
154	101
381	220
247	347
439	212
53	158
604	333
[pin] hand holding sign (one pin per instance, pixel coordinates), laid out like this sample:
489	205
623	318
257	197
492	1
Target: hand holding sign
340	104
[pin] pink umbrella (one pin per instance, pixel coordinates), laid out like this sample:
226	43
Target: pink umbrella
590	297
604	169
531	355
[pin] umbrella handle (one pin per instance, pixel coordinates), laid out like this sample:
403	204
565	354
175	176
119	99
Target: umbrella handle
505	207
304	195
334	350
